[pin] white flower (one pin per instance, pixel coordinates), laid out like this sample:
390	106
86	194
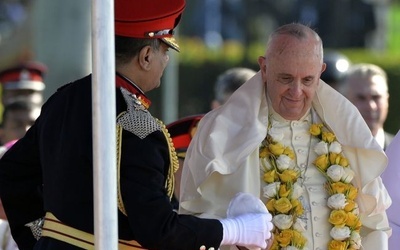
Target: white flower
335	172
321	148
335	147
275	134
348	175
355	240
271	190
283	162
337	201
356	210
290	248
340	233
297	191
283	221
265	163
299	225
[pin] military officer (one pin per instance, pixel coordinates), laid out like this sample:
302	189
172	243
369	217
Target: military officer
49	172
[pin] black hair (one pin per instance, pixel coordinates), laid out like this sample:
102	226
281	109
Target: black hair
127	47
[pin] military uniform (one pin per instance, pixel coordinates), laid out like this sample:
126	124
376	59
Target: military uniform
55	174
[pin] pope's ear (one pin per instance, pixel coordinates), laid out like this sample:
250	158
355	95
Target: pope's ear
323	67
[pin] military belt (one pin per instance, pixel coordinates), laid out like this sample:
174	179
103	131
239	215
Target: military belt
55	229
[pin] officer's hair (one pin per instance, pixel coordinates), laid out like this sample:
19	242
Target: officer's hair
126	47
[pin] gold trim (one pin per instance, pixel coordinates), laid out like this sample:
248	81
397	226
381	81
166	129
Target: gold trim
55	229
121	205
174	162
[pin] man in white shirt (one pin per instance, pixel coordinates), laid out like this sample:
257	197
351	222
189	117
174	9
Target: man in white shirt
365	85
232	153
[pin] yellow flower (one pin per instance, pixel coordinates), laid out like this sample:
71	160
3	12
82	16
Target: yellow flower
276	149
337	245
284	237
315	129
328	136
353	221
352	192
322	162
264	152
297	207
283	205
333	157
298	239
289	175
350	206
270	176
275	244
339	187
338	217
289	152
283	191
271	205
344	162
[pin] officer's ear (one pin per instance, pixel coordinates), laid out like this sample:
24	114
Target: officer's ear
145	57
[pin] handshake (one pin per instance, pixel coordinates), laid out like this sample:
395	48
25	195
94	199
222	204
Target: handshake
248	223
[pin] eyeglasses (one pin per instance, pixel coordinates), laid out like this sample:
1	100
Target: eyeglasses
160	33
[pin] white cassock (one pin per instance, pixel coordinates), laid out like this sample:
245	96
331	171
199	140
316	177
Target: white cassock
391	179
223	159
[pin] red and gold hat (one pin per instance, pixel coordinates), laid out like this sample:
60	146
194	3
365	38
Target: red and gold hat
28	75
148	19
182	132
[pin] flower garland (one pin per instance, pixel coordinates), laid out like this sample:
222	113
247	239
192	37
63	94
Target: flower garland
283	190
344	216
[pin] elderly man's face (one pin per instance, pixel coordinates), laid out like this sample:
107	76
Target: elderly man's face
370	95
291	71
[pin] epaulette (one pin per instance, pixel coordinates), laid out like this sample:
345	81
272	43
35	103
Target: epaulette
137	119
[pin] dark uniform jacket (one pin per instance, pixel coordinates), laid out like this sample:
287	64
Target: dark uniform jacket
51	170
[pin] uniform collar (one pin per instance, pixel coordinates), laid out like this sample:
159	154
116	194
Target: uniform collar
124	82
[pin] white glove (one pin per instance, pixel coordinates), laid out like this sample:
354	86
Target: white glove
249	230
248	223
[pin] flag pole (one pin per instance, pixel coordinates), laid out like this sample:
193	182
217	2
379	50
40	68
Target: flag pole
104	130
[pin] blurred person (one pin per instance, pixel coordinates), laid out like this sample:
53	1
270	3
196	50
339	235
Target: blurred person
336	66
287	137
365	85
17	118
182	132
23	81
6	240
391	179
229	81
53	162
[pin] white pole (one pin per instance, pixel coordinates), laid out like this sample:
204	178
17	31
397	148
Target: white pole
104	131
170	93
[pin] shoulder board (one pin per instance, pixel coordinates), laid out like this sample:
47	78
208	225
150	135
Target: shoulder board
137	119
